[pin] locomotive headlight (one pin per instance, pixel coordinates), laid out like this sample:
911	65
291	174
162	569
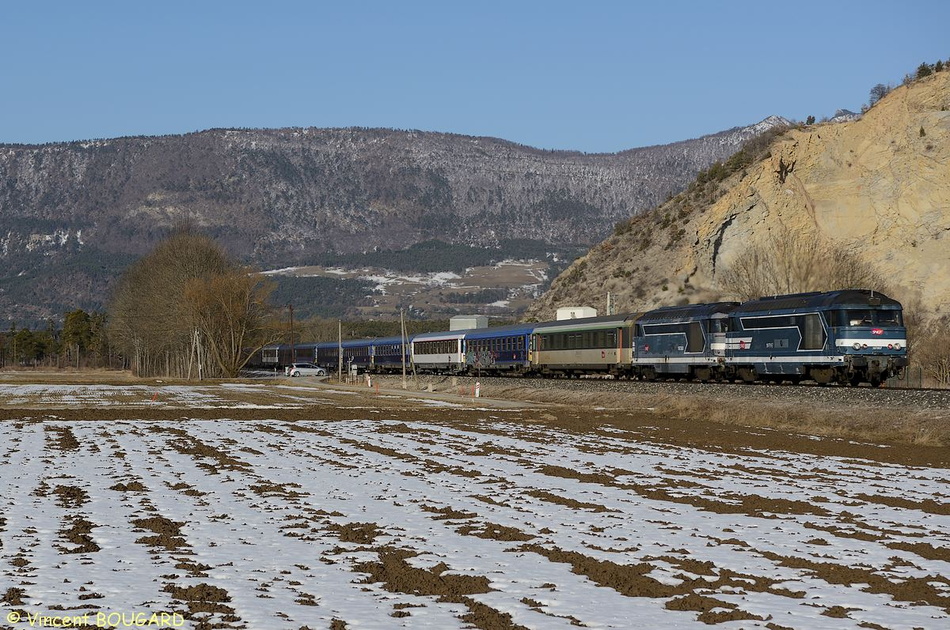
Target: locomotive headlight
864	346
890	346
897	346
856	345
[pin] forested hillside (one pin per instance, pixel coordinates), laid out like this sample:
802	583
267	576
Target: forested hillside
73	215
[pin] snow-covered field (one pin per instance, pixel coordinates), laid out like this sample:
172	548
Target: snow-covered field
383	523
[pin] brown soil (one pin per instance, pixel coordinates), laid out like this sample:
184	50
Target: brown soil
132	486
398	576
79	533
167	533
70	497
13	597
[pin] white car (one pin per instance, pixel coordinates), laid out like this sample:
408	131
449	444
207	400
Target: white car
304	369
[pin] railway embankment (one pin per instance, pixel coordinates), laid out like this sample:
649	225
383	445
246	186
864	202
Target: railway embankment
918	417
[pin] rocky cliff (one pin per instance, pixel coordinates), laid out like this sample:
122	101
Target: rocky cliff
874	190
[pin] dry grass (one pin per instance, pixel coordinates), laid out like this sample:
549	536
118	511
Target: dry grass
919	427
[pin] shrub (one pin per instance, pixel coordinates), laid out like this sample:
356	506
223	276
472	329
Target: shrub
931	349
795	262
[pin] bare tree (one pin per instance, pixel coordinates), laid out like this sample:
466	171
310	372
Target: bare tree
794	262
878	92
231	313
931	349
156	307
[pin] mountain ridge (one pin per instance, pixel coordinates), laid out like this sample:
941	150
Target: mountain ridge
72	215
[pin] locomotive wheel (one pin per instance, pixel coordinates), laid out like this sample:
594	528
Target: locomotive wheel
747	374
822	375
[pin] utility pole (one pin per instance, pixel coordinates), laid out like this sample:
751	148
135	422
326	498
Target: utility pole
293	349
339	376
402	334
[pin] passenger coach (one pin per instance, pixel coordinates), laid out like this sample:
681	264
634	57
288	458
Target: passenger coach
390	354
499	350
439	352
589	345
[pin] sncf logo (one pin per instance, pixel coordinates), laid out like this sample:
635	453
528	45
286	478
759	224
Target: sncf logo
877	331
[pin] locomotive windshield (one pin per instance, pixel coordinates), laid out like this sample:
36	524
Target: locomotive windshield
868	317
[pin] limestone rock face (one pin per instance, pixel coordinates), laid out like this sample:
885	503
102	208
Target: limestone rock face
877	188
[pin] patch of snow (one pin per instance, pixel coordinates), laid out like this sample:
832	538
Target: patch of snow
279	558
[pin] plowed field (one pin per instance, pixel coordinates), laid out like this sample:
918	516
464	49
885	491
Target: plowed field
286	505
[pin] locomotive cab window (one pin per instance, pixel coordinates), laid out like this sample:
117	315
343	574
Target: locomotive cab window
867	317
889	318
858	317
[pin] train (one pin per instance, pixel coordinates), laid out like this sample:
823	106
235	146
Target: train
848	336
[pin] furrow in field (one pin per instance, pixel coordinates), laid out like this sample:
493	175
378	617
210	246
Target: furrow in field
381	523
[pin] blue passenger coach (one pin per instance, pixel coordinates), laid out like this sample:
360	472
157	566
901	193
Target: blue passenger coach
390	354
853	335
499	350
357	354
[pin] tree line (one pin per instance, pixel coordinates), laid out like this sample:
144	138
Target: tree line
184	310
80	341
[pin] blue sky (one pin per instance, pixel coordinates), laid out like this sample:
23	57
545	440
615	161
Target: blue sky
594	76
